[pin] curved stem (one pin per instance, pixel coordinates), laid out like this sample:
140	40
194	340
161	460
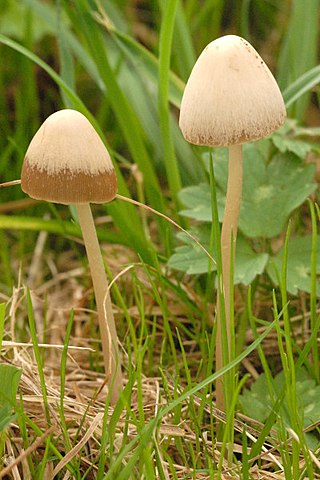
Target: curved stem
228	243
107	326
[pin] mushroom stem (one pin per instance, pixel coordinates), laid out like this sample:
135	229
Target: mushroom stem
228	244
107	326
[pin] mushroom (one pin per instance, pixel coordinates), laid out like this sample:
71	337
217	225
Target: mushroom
67	162
231	97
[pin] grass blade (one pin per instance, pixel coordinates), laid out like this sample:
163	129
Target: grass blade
166	34
145	435
183	49
33	331
298	53
2	319
303	84
314	317
125	115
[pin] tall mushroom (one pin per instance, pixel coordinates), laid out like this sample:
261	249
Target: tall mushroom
231	97
67	162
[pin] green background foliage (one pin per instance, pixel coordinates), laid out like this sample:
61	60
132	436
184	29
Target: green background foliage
124	64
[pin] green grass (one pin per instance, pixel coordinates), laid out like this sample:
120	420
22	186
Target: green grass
125	68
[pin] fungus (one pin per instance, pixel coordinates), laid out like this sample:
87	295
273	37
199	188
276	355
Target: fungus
67	162
230	98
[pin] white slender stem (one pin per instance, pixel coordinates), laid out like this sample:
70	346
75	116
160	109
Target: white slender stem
107	326
228	243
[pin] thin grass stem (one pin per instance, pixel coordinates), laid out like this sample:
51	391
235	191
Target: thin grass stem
165	45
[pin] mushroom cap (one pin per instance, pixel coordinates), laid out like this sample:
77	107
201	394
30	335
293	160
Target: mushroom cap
231	96
67	162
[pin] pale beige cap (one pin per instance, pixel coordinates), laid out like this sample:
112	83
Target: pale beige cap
231	96
67	162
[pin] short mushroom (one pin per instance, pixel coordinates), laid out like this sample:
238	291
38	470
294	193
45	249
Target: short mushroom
67	162
231	97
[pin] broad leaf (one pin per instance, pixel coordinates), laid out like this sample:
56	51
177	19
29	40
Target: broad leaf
293	145
5	418
191	259
257	402
249	264
293	129
299	265
271	191
10	377
197	199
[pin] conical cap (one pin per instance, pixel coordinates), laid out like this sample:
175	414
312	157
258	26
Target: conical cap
67	162
231	96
